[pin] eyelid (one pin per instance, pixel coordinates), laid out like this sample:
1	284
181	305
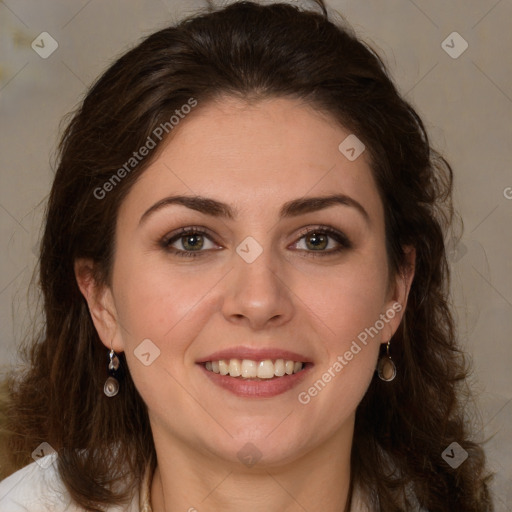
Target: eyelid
185	231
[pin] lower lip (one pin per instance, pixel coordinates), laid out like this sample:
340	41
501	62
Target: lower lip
258	388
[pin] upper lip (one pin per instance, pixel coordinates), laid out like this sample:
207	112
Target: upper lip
255	354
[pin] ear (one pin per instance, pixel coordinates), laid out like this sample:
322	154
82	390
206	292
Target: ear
101	304
398	294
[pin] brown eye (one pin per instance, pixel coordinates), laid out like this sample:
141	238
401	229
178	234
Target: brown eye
188	242
316	241
192	242
323	241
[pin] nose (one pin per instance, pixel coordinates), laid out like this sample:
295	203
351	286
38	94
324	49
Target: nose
258	294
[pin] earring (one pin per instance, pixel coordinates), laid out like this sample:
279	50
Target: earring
111	387
386	368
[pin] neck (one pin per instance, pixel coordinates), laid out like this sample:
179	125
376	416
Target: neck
319	480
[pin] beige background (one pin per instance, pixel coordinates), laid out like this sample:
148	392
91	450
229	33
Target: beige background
466	103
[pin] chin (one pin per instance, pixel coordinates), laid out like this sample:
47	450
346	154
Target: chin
264	448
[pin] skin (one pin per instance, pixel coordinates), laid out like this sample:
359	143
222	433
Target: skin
254	158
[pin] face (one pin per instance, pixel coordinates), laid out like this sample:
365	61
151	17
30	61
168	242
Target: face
264	273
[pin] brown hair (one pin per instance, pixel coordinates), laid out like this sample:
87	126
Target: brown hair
252	52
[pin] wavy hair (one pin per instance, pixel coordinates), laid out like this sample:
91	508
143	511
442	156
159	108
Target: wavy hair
252	52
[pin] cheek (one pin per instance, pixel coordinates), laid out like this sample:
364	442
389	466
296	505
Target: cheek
348	298
162	303
169	308
150	298
345	314
345	306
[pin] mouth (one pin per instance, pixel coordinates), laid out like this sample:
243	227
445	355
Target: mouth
249	369
250	378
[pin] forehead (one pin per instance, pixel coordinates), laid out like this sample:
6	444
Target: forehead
257	157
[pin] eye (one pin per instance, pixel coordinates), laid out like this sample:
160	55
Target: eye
188	241
319	239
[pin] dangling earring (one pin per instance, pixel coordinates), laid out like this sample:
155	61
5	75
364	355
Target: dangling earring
386	368
111	387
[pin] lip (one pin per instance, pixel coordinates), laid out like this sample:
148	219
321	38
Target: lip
257	389
255	354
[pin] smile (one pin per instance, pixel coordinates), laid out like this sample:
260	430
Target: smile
250	369
249	378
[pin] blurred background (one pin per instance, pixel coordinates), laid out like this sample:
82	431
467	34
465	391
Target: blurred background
451	60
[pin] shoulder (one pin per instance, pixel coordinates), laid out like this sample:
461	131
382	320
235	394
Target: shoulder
39	488
36	487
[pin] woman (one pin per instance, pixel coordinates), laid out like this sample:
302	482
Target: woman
246	287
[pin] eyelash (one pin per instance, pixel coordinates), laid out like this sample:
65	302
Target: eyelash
339	237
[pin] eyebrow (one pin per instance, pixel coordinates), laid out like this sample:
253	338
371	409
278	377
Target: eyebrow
289	209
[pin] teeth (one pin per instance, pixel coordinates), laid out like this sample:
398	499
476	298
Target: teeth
279	368
235	367
265	369
249	369
223	367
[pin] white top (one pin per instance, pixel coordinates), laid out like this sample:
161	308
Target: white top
38	488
